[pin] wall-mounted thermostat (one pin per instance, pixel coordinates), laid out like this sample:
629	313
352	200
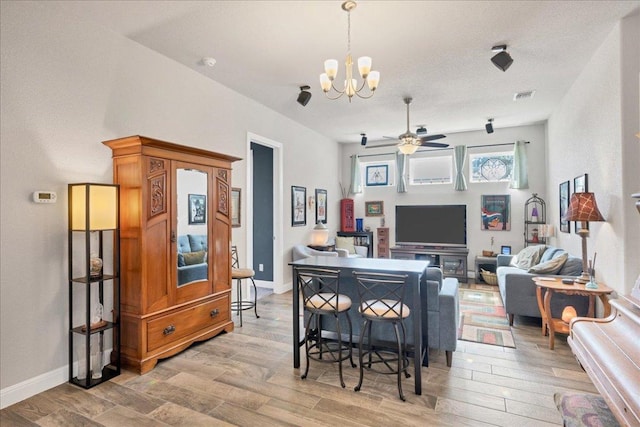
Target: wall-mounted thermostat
45	196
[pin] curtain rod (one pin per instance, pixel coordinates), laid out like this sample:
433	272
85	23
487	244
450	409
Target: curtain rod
442	149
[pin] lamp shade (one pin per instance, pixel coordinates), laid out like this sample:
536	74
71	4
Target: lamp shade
408	148
93	207
583	207
320	234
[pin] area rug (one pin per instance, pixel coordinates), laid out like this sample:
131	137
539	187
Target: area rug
482	316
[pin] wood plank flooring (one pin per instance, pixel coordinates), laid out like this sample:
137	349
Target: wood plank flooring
246	378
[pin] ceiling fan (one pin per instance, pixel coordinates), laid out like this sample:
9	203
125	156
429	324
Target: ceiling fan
410	142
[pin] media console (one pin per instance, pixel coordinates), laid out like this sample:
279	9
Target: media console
452	261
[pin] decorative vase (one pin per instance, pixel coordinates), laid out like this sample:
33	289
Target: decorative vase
96	358
95	265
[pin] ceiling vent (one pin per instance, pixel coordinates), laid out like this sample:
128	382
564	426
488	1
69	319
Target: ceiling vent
519	96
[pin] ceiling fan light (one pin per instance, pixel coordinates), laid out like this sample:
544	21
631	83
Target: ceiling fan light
331	68
364	66
408	148
325	82
373	79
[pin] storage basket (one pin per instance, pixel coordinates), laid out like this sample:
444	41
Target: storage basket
489	277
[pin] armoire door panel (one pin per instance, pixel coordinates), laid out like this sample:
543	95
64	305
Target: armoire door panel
155	267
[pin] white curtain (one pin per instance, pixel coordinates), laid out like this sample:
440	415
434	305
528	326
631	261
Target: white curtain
401	164
460	156
519	177
356	184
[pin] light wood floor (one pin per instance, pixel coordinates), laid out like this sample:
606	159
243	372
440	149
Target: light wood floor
246	378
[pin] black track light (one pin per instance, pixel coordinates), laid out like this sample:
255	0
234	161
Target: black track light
502	59
363	141
489	126
304	97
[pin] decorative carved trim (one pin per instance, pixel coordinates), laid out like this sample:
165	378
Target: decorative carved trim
223	198
158	195
222	174
156	165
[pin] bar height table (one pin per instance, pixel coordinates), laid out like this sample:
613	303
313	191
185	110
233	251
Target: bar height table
416	270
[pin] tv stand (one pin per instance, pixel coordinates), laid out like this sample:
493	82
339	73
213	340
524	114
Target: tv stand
452	261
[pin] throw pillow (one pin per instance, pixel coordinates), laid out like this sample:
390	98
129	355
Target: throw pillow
191	258
528	257
181	260
345	243
551	266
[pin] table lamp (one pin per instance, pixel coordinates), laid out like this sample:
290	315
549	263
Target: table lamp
583	208
320	234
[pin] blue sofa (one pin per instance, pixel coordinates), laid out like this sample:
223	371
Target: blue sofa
518	291
192	258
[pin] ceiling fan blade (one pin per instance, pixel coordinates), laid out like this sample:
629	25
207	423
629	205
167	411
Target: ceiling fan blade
390	137
434	144
432	137
390	144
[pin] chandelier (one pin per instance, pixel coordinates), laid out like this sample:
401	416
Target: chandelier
351	87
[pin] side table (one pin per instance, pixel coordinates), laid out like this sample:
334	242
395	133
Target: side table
553	284
488	263
324	248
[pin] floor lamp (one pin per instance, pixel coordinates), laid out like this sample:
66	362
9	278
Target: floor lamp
583	208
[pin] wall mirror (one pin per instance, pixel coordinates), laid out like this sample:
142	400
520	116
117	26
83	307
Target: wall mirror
192	217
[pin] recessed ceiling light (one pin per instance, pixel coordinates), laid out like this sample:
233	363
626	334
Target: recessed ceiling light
209	61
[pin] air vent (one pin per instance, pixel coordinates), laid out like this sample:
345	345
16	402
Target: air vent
524	95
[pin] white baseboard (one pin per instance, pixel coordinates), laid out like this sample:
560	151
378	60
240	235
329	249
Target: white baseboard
32	386
28	388
281	289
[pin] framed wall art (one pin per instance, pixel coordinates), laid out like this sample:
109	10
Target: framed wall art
235	207
564	206
197	209
496	212
321	206
580	185
298	206
377	175
374	208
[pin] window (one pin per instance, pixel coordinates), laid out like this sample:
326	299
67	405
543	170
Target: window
490	167
430	170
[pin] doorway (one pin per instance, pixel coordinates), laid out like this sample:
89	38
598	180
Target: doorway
264	200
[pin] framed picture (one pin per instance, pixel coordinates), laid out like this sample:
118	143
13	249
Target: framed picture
580	185
495	212
564	206
377	175
374	208
235	207
197	209
298	206
505	250
321	206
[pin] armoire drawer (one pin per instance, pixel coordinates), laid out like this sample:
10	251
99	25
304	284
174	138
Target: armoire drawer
174	326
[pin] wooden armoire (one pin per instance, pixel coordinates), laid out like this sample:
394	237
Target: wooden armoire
175	242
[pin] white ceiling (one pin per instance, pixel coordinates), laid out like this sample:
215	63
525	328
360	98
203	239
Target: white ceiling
437	52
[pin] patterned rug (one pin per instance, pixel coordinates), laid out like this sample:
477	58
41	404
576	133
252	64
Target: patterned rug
482	316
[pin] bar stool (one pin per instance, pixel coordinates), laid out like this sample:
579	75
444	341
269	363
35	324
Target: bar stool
382	300
321	296
237	273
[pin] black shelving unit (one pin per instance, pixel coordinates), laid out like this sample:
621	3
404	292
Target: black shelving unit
360	238
533	223
93	238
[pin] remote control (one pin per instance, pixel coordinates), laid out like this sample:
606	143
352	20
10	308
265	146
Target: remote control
567	281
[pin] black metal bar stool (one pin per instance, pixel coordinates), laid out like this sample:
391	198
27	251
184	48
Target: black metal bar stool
382	300
321	296
237	273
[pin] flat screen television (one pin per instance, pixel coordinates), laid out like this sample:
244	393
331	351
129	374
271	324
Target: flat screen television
431	225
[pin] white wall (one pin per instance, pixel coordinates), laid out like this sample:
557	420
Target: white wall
67	86
477	239
592	131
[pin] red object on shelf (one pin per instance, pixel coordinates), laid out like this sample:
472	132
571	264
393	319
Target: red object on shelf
347	220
